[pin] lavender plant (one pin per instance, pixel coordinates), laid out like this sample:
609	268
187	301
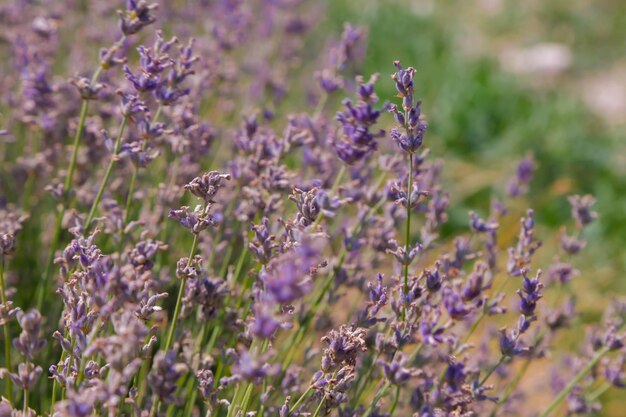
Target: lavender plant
212	245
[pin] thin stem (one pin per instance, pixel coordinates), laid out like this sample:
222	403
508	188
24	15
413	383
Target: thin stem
140	378
319	407
408	231
79	133
179	300
579	376
234	401
26	397
246	398
395	401
129	198
53	397
361	388
511	386
297	403
155	406
263	390
7	336
599	391
107	174
480	318
493	369
382	392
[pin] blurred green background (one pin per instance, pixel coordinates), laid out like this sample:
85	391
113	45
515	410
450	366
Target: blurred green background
502	78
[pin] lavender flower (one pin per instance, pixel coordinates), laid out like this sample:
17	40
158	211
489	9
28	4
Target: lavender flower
520	256
29	342
138	14
581	209
518	185
207	186
196	221
288	278
343	347
414	127
357	141
164	377
395	372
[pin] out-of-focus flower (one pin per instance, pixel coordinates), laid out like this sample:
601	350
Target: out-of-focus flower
581	209
138	14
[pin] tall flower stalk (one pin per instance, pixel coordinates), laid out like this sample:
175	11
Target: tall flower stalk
409	138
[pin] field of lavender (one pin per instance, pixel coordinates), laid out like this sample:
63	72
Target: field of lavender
302	208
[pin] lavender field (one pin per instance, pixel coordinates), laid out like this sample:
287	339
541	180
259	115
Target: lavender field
299	208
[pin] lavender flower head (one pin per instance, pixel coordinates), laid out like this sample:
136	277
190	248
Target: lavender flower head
518	185
411	137
357	141
581	209
138	14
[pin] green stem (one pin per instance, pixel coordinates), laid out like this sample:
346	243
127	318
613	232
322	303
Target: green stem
79	133
366	377
55	384
53	397
382	392
7	336
408	231
129	199
493	369
234	401
192	392
140	378
246	398
297	403
511	386
179	300
395	401
263	390
599	391
319	407
26	401
107	175
155	406
579	376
